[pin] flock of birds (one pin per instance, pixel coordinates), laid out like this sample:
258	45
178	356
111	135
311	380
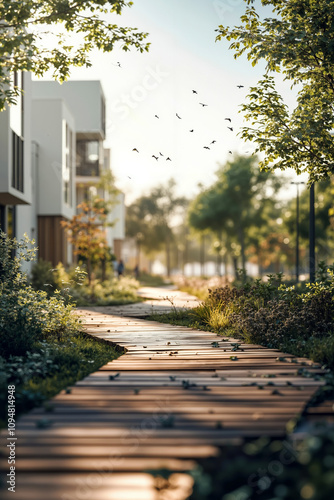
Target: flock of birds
159	155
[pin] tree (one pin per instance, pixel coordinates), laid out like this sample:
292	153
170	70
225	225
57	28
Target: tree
26	28
234	204
138	226
85	232
151	219
299	43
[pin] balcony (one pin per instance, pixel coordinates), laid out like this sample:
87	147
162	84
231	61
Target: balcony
88	158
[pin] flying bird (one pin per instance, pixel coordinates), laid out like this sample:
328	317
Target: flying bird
168	158
156	157
230	152
240	86
179	117
156	116
231	128
135	149
160	154
203	104
194	92
119	64
212	142
229	119
206	147
191	130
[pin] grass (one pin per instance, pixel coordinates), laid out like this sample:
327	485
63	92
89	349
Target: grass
154	280
199	287
70	360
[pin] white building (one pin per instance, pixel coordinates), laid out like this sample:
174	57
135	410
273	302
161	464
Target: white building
52	155
16	170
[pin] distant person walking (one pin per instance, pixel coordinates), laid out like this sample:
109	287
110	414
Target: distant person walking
115	266
120	268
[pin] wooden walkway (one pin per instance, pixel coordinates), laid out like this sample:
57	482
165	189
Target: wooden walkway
177	395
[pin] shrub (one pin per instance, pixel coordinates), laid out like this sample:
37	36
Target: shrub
27	315
42	277
112	292
41	345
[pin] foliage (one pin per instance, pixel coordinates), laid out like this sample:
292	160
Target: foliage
234	204
150	219
111	292
41	344
50	367
35	36
271	313
27	315
12	252
299	43
72	285
270	469
42	277
85	231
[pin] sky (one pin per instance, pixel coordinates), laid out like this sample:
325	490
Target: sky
146	91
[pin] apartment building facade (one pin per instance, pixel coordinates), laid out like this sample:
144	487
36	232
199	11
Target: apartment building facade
51	158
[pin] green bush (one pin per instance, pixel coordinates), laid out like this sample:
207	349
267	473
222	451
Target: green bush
27	315
111	292
42	277
72	286
41	344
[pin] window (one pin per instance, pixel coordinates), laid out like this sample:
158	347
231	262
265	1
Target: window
67	163
17	162
88	158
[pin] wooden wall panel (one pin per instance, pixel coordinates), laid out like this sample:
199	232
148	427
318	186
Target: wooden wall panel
52	243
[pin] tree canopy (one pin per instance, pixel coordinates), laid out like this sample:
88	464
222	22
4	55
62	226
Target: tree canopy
150	219
26	27
234	203
299	43
86	232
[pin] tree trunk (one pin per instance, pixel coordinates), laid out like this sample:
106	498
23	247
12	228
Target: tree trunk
202	254
103	269
138	254
219	264
185	256
225	268
242	245
235	266
89	272
168	257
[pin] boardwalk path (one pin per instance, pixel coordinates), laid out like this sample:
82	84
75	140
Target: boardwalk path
175	396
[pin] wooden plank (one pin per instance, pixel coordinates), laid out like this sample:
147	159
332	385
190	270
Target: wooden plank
113	463
97	486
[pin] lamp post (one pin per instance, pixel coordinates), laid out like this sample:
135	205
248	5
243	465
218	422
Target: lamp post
297	229
312	236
